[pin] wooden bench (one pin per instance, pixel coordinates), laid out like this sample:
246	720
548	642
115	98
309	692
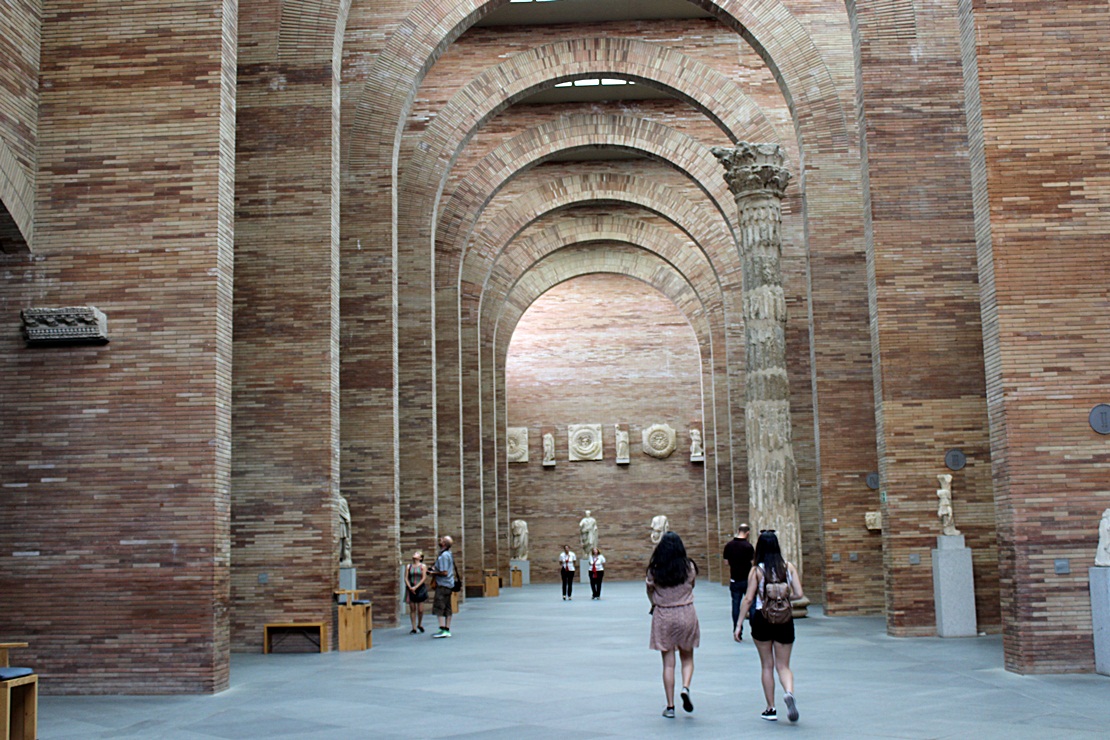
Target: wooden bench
305	628
19	699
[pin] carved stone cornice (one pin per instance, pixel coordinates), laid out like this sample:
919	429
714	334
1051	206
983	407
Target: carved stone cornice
74	325
754	168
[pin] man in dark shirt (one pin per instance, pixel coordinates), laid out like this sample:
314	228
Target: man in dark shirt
739	553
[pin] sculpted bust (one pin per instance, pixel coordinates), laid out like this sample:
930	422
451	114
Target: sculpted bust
1102	555
519	539
660	525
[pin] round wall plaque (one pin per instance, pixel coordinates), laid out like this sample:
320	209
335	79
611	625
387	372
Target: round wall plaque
1100	418
955	459
873	481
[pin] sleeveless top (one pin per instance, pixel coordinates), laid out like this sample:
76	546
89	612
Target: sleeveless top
414	574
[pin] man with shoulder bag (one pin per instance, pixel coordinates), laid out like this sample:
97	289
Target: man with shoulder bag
447	582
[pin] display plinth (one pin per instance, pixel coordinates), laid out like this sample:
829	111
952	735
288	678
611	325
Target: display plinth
525	568
492	584
1100	617
348	581
954	588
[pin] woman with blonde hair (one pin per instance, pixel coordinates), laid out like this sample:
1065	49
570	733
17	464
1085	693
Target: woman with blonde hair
416	590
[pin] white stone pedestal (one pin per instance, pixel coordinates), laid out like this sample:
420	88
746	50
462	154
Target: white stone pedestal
1100	617
953	588
584	573
348	581
525	568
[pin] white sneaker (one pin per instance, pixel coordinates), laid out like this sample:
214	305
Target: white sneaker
791	707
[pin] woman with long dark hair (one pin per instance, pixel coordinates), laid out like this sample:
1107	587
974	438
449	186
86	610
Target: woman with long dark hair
674	623
769	581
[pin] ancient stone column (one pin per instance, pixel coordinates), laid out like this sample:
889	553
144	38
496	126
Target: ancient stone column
757	178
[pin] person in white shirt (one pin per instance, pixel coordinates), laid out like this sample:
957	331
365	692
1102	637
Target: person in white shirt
597	573
566	570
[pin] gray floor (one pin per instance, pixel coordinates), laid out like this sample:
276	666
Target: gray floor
529	665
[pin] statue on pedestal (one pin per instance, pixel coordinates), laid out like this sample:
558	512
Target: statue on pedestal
944	508
1102	554
548	449
622	445
660	525
697	452
344	534
587	529
519	539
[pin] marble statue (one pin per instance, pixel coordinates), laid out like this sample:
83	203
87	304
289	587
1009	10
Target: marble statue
344	534
587	530
660	525
584	441
944	508
697	452
516	444
519	550
1102	554
622	445
548	449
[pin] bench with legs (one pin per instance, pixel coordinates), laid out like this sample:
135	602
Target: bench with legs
19	698
319	630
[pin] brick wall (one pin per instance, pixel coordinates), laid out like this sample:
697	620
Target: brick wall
114	537
1041	193
608	350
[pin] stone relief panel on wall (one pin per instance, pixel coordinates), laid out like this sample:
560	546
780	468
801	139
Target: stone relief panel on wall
873	520
516	444
659	440
584	441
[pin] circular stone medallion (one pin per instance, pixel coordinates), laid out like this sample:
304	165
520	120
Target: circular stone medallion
659	440
585	441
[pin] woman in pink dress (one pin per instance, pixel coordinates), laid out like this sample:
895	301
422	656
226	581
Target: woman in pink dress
674	623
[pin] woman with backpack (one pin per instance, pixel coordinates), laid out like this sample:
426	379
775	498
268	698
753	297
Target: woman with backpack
674	623
772	584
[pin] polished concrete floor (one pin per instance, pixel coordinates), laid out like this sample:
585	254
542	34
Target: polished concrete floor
529	665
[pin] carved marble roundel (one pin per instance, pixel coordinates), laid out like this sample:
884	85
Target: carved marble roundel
585	441
516	444
659	440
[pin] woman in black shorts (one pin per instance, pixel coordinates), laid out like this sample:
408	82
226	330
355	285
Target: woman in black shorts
773	641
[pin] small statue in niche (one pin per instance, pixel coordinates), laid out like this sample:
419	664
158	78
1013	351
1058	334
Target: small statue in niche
548	449
660	525
944	507
587	529
519	548
344	534
622	444
697	452
1102	554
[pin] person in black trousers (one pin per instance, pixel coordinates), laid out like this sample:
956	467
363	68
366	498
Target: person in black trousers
566	570
597	572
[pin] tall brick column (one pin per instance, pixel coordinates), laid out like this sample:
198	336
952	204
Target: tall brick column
757	178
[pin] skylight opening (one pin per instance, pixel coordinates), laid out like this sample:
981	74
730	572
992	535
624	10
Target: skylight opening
592	81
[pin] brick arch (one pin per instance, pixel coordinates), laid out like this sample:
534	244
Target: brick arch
575	260
475	191
675	249
768	25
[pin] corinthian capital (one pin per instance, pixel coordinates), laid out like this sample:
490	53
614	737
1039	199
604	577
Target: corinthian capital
751	168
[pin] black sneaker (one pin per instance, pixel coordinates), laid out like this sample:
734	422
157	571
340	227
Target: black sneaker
686	703
770	714
669	712
791	707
